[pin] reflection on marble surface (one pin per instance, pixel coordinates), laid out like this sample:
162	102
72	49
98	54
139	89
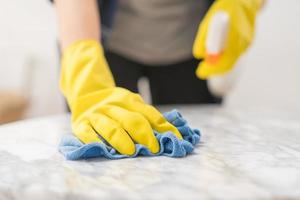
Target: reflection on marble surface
244	155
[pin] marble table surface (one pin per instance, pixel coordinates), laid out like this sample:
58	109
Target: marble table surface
244	154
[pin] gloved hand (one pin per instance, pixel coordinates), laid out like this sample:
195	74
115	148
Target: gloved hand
242	14
102	111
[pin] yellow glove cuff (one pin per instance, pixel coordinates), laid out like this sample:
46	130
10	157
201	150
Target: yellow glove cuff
84	70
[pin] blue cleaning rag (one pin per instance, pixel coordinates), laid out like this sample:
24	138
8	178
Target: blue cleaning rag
73	149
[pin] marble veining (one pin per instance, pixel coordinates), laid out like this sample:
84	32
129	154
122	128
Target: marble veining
245	154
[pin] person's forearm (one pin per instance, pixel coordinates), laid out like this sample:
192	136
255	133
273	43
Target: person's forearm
77	20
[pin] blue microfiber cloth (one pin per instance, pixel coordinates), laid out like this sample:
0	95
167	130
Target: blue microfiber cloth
74	149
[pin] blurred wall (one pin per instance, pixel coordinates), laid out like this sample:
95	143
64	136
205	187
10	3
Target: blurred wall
28	43
271	68
270	76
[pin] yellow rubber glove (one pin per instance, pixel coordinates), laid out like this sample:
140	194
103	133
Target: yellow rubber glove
100	110
242	14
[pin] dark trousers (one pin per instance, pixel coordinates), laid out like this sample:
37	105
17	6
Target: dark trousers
169	84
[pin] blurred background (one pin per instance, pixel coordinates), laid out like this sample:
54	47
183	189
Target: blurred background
29	68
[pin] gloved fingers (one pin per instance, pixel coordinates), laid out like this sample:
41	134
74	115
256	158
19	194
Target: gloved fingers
155	118
113	133
85	132
135	124
225	64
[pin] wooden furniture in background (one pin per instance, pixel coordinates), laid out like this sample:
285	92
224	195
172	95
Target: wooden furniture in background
12	106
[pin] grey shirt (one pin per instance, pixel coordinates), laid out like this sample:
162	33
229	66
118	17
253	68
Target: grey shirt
156	32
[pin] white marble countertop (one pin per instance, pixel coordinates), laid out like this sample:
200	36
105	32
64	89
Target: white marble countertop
244	155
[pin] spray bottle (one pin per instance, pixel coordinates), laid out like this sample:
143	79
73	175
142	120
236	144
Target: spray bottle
219	85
